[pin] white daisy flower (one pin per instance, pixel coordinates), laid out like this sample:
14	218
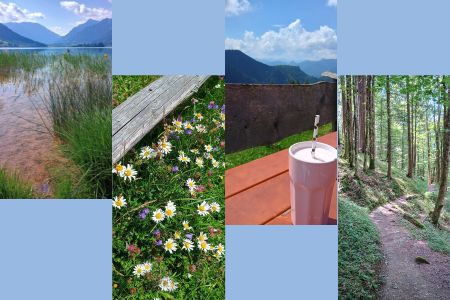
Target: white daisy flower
204	246
164	284
170	245
118	169
220	249
183	158
202	237
188	245
208	156
164	146
177	123
173	286
195	151
129	173
191	184
147	153
177	235
170	209
186	225
215	163
139	270
188	126
158	216
119	202
200	128
222	125
199	116
222	116
199	162
208	148
147	267
203	209
214	207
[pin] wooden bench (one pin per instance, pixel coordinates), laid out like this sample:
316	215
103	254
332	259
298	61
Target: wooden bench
135	117
257	192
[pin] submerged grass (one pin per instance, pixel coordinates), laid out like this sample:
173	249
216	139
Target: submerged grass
13	187
244	156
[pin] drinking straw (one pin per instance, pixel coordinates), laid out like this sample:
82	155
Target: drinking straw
316	123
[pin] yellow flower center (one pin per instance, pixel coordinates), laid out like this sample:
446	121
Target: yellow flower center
201	208
203	245
119	168
169	245
119	202
128	173
165	283
169	212
214	208
158	215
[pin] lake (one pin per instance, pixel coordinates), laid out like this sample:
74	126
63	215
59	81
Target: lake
61	50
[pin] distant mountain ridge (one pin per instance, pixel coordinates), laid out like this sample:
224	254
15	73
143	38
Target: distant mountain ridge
91	32
9	38
316	68
27	34
34	31
241	68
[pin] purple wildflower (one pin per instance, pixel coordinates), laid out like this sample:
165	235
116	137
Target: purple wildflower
189	236
211	105
156	232
223	108
188	131
158	243
175	169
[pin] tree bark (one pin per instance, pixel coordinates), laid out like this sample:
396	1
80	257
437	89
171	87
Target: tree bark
362	99
440	201
389	133
408	122
429	177
355	121
349	119
370	93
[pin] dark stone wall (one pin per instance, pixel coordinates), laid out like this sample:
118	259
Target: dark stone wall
261	114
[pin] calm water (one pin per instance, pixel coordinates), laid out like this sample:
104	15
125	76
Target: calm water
62	50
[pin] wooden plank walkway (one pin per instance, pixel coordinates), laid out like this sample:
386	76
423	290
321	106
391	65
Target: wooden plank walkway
135	117
257	193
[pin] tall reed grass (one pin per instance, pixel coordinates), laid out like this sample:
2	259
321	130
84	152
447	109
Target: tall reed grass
79	103
13	187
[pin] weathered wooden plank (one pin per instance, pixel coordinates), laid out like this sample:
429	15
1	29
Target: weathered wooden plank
134	118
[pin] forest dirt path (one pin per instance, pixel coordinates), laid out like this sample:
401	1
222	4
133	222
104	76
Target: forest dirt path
402	277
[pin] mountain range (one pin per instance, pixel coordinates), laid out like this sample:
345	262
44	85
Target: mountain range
28	34
241	68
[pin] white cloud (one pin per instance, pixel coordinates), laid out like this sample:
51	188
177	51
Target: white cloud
86	12
11	12
290	43
236	7
332	3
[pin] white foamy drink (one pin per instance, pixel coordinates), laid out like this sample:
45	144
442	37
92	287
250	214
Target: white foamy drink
321	155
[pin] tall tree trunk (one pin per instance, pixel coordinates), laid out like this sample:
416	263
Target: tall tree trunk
370	93
344	115
437	132
362	102
429	177
349	116
408	122
440	201
355	121
389	133
403	145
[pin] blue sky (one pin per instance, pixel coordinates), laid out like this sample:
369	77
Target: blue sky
59	16
288	30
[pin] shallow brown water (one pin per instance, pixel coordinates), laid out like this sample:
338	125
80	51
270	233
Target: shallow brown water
26	142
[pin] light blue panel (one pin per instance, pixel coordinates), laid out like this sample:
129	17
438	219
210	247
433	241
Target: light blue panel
281	262
168	37
393	37
55	249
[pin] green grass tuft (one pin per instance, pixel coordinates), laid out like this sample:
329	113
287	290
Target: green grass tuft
13	187
127	85
359	253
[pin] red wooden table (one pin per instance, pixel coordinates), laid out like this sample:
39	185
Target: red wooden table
257	193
